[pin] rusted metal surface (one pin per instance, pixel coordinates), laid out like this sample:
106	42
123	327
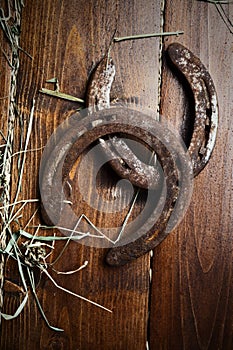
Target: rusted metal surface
205	101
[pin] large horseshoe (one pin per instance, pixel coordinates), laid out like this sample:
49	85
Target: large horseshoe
60	157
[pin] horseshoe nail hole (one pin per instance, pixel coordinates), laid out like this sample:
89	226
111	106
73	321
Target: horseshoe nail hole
209	112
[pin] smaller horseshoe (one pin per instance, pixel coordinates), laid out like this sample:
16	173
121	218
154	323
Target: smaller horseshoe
124	162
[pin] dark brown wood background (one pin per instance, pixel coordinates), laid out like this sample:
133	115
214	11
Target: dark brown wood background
189	302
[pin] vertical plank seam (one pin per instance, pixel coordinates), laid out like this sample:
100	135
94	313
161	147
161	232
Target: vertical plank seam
162	24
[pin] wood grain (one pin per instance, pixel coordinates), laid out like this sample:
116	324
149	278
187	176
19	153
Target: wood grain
192	292
189	302
66	39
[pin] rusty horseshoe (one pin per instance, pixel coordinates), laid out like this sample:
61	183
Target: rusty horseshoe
206	106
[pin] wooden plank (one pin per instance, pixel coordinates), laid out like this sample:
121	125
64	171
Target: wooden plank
5	81
191	302
65	39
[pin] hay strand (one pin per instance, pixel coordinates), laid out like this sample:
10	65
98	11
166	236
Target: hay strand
144	36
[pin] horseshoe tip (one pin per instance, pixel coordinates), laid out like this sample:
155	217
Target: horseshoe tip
175	49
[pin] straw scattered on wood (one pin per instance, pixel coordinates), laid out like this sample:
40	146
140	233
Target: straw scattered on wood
29	250
56	92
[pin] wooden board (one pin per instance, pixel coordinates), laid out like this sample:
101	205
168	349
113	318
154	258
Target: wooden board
66	40
188	304
192	269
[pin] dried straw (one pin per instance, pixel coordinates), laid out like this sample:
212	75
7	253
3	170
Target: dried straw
11	32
